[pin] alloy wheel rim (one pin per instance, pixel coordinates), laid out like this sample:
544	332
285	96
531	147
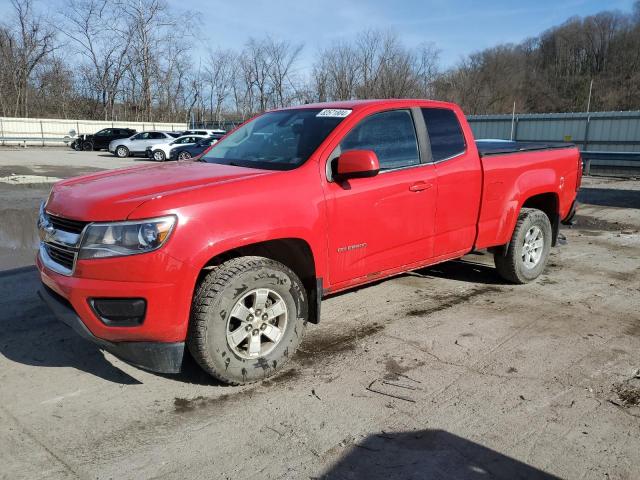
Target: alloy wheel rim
532	247
158	156
256	323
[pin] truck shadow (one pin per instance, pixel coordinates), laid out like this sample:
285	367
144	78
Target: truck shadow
432	454
31	335
609	197
464	270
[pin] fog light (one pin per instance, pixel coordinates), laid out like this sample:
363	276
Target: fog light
119	312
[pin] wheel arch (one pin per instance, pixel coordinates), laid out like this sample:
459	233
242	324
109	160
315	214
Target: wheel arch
544	200
295	253
549	203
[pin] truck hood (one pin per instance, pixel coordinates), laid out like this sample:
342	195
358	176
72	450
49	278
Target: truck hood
114	194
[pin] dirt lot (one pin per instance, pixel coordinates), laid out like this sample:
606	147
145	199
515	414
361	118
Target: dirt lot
443	373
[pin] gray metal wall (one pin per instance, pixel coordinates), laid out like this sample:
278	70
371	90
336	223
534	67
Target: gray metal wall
597	131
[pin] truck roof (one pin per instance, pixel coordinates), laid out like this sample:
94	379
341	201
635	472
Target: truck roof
358	104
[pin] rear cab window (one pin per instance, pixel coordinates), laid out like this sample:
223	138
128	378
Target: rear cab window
445	133
391	135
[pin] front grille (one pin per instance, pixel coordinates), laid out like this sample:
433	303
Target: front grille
66	224
64	256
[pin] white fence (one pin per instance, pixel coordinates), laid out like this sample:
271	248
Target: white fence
50	131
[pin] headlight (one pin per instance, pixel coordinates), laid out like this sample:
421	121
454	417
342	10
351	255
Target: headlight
115	239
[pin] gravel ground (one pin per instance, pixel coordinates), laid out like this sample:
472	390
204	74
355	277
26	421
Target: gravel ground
443	373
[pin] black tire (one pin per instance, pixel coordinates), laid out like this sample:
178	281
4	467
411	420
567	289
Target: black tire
510	264
87	146
218	293
184	155
158	156
122	151
77	145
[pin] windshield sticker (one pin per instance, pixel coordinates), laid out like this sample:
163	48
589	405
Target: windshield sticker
334	112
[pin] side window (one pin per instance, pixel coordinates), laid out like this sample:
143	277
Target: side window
104	133
390	134
445	134
141	136
157	136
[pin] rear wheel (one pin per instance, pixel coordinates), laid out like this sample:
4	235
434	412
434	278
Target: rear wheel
528	249
248	317
159	156
122	151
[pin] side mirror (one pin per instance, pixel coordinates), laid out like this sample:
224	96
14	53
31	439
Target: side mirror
357	164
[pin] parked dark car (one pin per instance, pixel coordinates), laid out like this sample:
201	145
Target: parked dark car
100	140
186	152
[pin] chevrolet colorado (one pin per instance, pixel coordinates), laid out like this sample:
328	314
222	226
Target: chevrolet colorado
229	256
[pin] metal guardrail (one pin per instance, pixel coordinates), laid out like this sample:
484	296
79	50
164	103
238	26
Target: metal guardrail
610	160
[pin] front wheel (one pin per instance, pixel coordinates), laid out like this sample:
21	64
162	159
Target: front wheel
248	317
184	156
122	151
528	250
87	146
159	156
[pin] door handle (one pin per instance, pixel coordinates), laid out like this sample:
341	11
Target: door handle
420	186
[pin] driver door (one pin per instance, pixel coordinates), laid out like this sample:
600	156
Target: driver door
385	222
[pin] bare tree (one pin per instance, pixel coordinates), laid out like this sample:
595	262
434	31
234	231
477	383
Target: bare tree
150	26
342	74
427	68
219	72
376	65
103	41
24	45
282	56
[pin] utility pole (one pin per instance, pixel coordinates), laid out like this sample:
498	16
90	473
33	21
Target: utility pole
513	120
585	144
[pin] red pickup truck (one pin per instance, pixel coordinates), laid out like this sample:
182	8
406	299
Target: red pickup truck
230	255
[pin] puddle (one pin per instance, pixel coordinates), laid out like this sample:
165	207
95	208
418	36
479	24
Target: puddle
18	229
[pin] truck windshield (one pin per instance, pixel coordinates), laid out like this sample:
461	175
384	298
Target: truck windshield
281	140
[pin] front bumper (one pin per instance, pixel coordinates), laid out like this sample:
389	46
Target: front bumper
164	282
161	357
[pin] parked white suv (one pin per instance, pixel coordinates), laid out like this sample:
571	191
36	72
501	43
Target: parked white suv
160	151
138	143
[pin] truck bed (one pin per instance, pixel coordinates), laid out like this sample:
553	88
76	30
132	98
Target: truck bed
503	147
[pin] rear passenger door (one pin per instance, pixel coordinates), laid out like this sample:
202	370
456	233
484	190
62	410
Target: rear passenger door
459	182
153	139
384	222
